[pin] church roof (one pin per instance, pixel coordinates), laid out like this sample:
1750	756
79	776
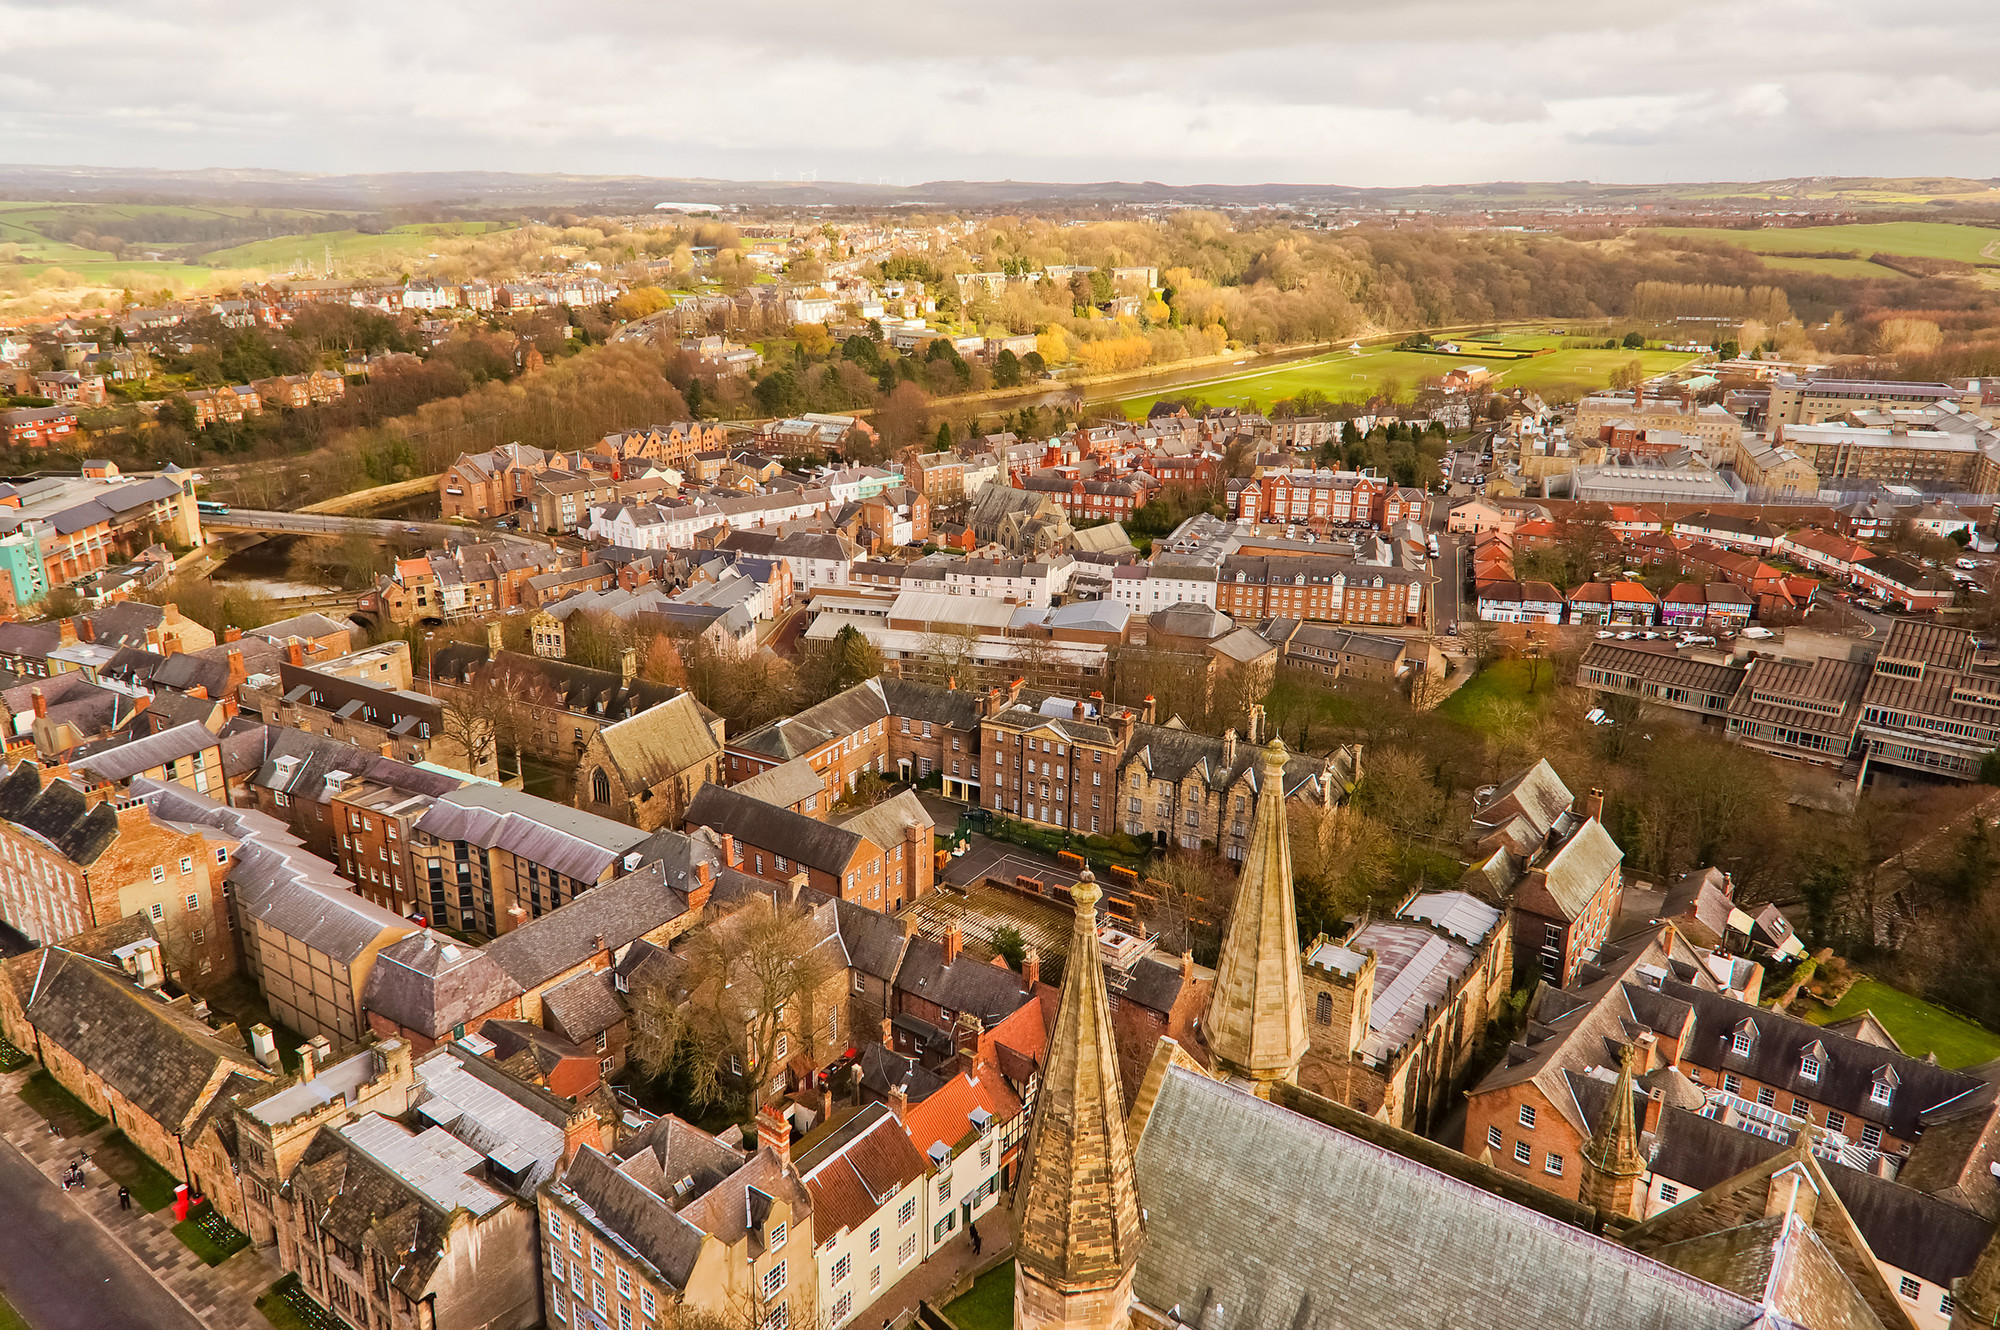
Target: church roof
1259	1218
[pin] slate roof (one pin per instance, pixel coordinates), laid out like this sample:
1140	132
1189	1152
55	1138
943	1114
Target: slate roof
1563	885
59	813
160	1059
787	784
429	983
354	1196
584	1007
840	715
990	992
1225	1178
804	840
126	760
298	894
636	1213
884	1069
602	919
885	823
1537	794
874	940
912	699
1847	1073
576	844
599	693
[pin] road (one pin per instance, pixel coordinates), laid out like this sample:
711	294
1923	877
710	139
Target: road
252	519
62	1272
1447	598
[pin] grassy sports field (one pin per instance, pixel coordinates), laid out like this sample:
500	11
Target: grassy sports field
284	251
1344	377
1923	240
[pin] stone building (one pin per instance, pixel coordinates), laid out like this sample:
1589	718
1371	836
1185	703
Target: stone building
646	768
1397	1007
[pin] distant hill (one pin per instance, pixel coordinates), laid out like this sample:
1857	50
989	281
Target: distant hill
495	189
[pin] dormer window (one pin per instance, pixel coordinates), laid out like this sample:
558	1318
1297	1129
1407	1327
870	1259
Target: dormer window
1881	1092
1740	1045
1809	1067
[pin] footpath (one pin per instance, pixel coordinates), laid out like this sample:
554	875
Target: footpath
222	1297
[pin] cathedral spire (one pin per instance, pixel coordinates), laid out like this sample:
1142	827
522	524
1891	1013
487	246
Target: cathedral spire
1080	1230
1612	1163
1256	1026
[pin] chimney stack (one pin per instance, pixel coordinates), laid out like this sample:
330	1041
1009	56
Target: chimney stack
1187	965
308	1058
728	850
954	942
41	703
231	633
1593	805
581	1128
237	673
294	652
1031	968
704	883
172	612
826	1102
66	630
493	637
899	1102
1229	747
1146	713
1256	724
774	1133
628	665
888	1033
199	690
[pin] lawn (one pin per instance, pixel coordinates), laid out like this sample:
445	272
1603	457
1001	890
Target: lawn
286	251
152	1187
61	1109
9	1318
287	1306
1344	377
210	1236
989	1304
1917	1025
1923	240
1501	683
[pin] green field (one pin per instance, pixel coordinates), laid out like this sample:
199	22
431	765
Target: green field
1486	700
1917	1025
1923	240
1860	268
1344	377
286	251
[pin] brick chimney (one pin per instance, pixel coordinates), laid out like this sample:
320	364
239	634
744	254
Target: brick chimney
238	675
66	630
888	1033
581	1128
728	850
899	1102
1031	968
1593	804
231	633
153	641
308	1062
704	885
1146	711
1014	690
199	690
826	1102
41	703
1187	965
229	706
954	942
774	1133
294	652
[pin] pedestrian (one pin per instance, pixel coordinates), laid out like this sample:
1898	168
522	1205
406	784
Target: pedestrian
973	1229
124	1198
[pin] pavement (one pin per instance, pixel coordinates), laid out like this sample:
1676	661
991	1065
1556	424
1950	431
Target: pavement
985	857
933	1279
117	1269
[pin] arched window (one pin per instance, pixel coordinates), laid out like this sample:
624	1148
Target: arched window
600	786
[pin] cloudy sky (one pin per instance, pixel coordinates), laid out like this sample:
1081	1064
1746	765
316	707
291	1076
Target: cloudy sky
1363	92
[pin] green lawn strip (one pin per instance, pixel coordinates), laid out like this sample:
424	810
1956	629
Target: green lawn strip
152	1187
1924	240
210	1236
1500	683
1916	1024
287	1306
9	1318
70	1115
988	1304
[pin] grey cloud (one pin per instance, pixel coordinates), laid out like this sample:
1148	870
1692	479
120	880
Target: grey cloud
1352	91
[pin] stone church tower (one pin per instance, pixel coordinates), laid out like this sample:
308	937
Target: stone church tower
1612	1164
1079	1218
1256	1024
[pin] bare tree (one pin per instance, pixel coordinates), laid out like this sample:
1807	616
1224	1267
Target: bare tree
479	719
1340	858
1191	892
746	995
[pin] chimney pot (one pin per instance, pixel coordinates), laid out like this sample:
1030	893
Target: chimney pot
774	1133
232	633
308	1056
899	1102
1594	805
1031	968
954	942
294	652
